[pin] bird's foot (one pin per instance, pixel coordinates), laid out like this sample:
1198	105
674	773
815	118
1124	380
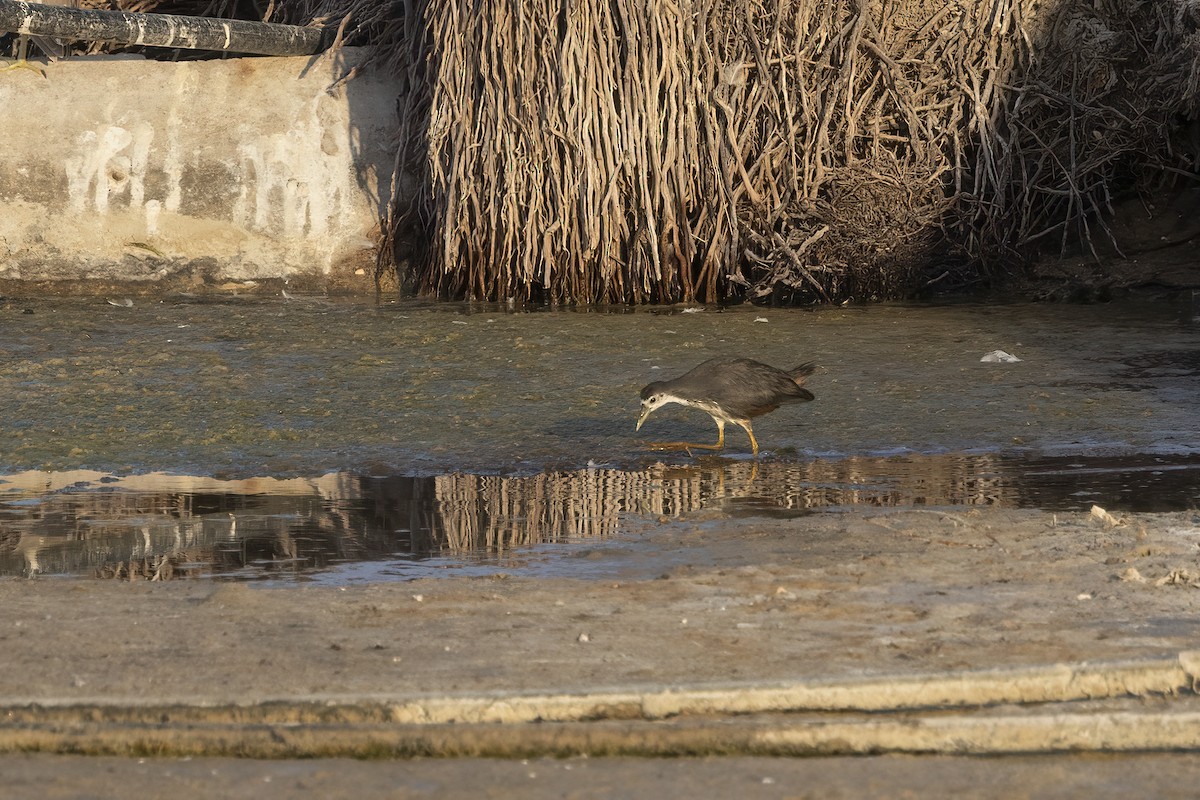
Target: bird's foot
688	446
23	64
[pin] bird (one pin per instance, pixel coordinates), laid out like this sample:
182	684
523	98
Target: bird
53	49
731	390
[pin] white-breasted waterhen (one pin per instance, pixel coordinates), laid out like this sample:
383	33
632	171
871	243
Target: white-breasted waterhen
730	390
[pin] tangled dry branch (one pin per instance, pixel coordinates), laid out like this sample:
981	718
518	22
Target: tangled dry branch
1102	103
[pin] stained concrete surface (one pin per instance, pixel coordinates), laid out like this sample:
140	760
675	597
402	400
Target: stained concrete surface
119	168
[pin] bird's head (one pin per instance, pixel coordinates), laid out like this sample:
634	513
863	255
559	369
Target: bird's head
653	397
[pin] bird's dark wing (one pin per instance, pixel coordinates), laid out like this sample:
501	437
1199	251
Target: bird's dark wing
742	387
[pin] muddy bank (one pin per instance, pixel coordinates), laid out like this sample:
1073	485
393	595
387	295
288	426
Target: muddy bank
740	601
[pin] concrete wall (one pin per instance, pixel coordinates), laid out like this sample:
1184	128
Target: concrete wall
119	168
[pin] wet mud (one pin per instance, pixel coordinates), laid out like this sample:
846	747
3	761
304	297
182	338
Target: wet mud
274	387
280	437
468	433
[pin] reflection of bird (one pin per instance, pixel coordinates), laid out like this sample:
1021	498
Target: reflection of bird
53	49
730	390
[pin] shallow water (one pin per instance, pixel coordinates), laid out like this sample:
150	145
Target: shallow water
460	438
343	527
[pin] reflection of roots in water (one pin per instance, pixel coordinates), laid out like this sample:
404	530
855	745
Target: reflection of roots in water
156	568
145	534
157	536
494	513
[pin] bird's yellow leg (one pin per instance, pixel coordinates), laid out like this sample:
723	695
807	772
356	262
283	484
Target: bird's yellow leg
750	433
22	61
23	65
720	445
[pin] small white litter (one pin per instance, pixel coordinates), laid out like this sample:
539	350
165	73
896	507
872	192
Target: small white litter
1105	517
999	357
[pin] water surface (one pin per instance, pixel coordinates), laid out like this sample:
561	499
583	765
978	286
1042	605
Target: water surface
284	388
160	526
266	437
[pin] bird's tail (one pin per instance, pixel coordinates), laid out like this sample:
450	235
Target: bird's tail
803	371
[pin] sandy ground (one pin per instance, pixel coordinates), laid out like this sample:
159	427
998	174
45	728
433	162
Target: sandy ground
823	597
820	596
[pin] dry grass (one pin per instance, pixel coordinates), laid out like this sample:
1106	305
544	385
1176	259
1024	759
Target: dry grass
1103	103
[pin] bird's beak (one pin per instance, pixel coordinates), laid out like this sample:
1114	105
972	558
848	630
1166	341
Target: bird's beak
645	413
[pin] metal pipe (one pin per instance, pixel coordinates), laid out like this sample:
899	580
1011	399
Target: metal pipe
162	30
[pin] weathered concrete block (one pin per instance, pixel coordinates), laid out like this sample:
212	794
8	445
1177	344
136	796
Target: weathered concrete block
119	168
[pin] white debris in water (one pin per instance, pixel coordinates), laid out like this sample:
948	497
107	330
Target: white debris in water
999	357
126	303
760	319
458	322
692	310
1177	577
1131	575
1108	519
